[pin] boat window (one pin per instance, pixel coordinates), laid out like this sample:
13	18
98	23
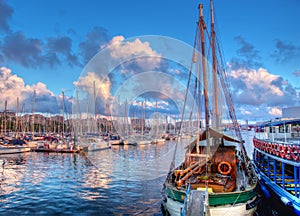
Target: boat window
284	129
272	129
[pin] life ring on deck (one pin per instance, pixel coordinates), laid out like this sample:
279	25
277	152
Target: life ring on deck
277	150
265	146
274	147
224	168
288	153
294	151
282	150
271	148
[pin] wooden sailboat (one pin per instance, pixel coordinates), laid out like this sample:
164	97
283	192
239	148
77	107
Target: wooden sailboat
216	176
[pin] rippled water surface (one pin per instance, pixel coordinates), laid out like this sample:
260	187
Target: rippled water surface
117	181
123	180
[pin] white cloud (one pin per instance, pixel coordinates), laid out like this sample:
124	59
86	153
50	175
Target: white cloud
275	111
13	87
134	52
86	84
258	79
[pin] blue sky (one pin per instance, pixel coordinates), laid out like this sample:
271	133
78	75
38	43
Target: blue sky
45	45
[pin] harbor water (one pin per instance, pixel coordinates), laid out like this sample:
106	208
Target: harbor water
123	180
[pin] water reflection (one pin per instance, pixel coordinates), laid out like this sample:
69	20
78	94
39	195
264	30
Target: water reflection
12	172
137	163
117	181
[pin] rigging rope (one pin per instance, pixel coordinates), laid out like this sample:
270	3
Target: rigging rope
172	166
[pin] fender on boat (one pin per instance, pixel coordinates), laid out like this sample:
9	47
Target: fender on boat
286	201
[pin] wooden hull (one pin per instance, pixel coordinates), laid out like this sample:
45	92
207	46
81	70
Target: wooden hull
237	203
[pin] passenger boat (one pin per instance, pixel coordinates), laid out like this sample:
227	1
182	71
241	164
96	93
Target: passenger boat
216	176
276	159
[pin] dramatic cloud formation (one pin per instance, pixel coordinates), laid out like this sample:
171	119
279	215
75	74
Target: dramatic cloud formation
139	55
95	39
285	52
33	53
22	50
36	97
135	68
5	14
86	84
259	94
248	56
256	87
131	70
61	46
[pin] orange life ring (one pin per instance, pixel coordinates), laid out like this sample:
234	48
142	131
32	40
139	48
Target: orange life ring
295	151
277	150
260	145
254	143
288	153
270	148
224	168
257	144
282	151
273	148
265	146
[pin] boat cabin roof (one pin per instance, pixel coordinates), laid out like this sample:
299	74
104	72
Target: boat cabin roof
280	122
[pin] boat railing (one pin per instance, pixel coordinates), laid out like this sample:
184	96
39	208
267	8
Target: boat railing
288	151
279	172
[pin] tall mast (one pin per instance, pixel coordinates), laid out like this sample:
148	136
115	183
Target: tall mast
95	128
63	114
202	27
32	118
5	119
214	68
17	118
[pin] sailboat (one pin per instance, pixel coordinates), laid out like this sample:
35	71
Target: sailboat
8	144
216	176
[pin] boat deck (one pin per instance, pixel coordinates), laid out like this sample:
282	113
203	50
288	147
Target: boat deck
241	178
194	204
